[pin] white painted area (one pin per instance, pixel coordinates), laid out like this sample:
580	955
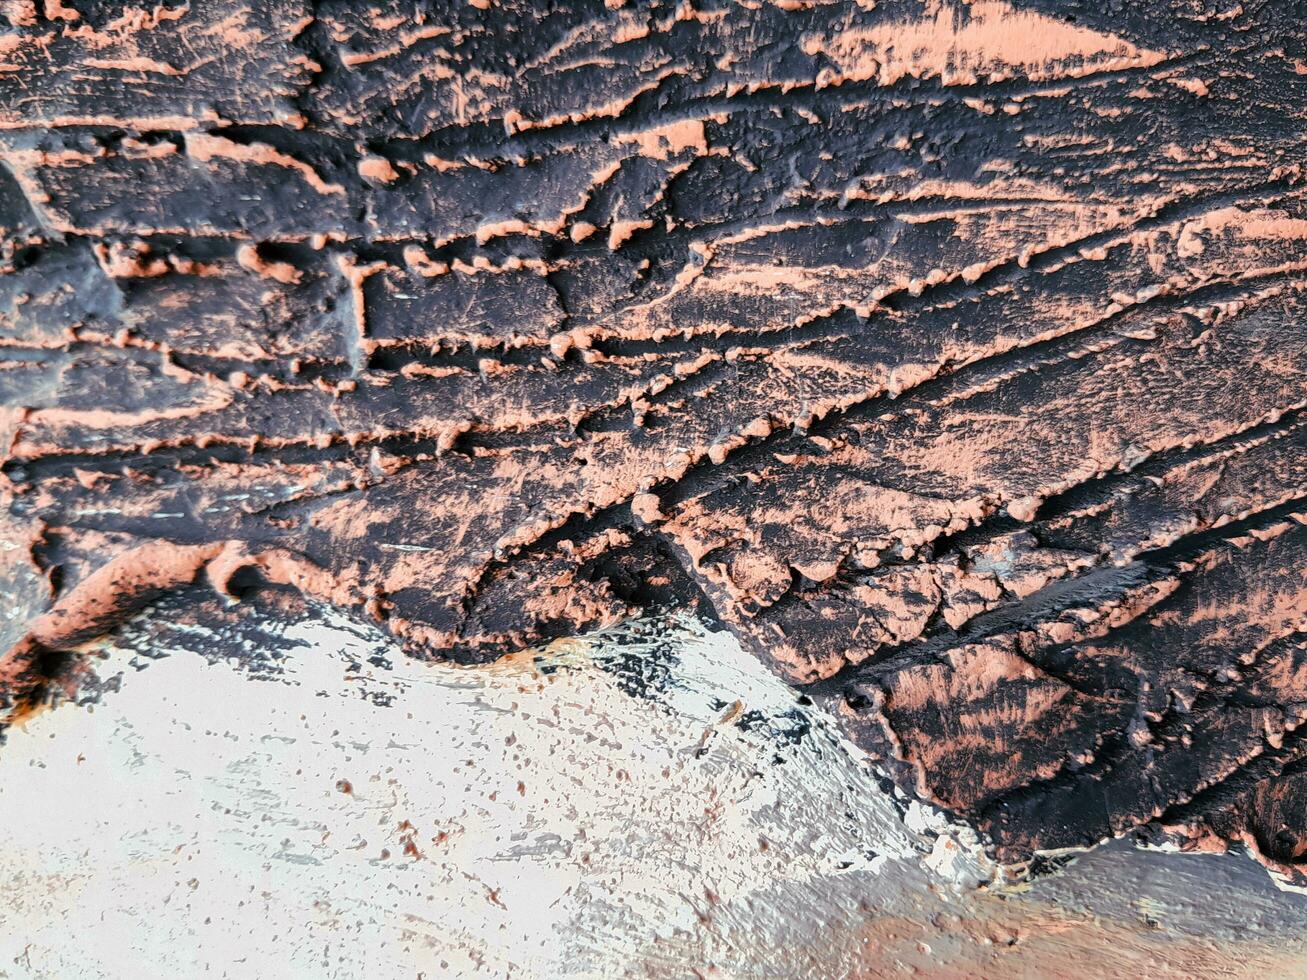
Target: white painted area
191	823
206	821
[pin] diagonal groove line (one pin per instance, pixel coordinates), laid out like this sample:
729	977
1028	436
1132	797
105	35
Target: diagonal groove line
952	374
1103	582
1013	269
1291	424
645	112
1116	748
1021	358
1289	758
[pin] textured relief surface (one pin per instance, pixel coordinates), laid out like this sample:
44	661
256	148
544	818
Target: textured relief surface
363	814
952	356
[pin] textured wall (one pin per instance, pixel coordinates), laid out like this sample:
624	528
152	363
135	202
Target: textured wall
952	356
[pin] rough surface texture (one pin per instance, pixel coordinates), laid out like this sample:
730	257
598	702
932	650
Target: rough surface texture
951	356
364	816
